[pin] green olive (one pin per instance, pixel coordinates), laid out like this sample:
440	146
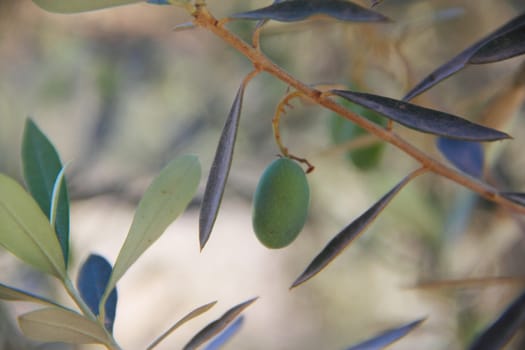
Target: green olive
280	204
343	130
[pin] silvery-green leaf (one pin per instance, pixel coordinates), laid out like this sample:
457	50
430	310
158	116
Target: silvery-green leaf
26	232
55	324
74	6
165	199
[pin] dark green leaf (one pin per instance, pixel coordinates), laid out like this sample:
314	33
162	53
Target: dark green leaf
56	324
504	327
503	47
423	119
387	337
41	166
458	62
516	197
218	325
347	235
298	10
26	232
467	156
92	280
219	171
225	335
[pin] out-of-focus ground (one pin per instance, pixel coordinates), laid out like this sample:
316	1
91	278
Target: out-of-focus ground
120	94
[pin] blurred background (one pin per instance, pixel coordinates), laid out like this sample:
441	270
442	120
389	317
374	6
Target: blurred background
120	93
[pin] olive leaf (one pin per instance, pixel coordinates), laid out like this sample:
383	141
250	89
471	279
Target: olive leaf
226	334
91	281
43	169
164	200
500	48
298	10
218	325
467	156
26	232
516	197
219	171
348	234
387	337
499	333
73	6
56	324
491	46
423	119
14	294
191	315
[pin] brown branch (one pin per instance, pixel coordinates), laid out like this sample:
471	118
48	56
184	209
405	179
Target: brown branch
203	18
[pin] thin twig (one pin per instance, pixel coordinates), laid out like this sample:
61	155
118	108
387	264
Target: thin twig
204	19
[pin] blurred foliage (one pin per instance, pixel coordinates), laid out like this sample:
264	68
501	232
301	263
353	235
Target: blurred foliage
120	94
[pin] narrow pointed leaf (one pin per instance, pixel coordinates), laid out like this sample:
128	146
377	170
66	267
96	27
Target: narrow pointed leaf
298	10
191	315
61	325
165	199
74	6
461	60
516	197
14	294
42	167
55	200
92	280
498	334
219	171
387	337
423	119
25	230
505	46
347	235
467	156
166	2
217	326
226	334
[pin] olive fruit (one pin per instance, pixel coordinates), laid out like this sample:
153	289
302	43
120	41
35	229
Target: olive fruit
343	130
280	203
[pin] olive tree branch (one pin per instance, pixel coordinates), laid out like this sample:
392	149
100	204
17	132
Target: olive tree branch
204	19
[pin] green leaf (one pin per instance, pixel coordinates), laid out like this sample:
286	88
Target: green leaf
350	233
165	199
218	325
462	59
501	331
15	294
26	232
387	337
61	325
74	6
508	45
191	315
219	170
220	340
42	170
423	119
298	10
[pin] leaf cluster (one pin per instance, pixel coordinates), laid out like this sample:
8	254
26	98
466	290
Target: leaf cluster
34	226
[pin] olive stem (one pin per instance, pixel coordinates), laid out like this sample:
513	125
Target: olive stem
204	19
